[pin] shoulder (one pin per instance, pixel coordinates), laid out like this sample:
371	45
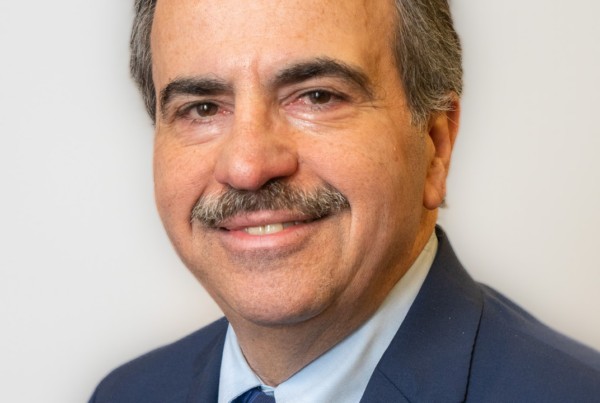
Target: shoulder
161	374
519	359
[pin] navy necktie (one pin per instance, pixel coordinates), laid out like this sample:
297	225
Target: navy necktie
254	396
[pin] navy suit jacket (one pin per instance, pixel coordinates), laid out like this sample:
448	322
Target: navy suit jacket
460	342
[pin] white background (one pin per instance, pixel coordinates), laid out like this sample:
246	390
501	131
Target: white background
88	279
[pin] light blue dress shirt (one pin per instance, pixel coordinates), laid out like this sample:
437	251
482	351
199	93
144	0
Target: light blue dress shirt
341	374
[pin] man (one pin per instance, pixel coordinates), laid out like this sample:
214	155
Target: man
301	154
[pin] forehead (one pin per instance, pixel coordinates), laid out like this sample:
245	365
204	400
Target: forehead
200	37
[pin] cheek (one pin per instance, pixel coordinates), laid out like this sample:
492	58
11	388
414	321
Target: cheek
181	176
377	167
369	164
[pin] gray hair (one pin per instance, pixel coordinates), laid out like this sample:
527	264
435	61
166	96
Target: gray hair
426	46
321	201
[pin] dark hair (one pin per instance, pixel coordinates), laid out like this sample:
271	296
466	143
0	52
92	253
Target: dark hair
426	46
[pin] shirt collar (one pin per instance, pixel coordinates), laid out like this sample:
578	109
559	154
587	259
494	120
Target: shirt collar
343	372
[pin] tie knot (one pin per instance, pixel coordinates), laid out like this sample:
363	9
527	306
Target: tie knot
254	396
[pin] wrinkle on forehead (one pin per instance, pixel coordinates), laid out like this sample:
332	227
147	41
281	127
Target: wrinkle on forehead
236	20
197	34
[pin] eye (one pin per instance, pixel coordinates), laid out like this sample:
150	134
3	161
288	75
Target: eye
204	110
319	97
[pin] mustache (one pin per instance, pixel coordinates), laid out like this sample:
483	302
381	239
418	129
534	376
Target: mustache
318	202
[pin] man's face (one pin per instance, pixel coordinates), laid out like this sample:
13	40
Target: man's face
302	92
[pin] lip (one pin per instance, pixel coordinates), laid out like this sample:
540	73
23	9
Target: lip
261	218
235	240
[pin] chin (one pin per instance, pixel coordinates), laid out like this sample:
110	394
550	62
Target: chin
280	312
278	319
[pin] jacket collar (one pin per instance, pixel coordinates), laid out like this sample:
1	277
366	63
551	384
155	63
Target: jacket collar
429	359
207	369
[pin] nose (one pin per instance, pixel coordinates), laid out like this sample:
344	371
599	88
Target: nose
255	151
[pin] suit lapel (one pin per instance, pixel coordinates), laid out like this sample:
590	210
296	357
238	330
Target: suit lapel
382	390
429	358
207	370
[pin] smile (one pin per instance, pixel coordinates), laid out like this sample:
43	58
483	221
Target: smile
267	229
272	228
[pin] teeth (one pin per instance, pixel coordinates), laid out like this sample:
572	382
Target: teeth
255	230
272	228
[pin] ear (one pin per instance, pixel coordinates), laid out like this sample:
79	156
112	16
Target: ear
442	131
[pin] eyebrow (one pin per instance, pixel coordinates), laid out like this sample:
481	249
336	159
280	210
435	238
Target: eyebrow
198	86
326	67
294	74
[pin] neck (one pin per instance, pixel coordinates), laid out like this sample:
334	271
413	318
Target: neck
277	353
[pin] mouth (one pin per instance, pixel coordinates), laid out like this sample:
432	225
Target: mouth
269	229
